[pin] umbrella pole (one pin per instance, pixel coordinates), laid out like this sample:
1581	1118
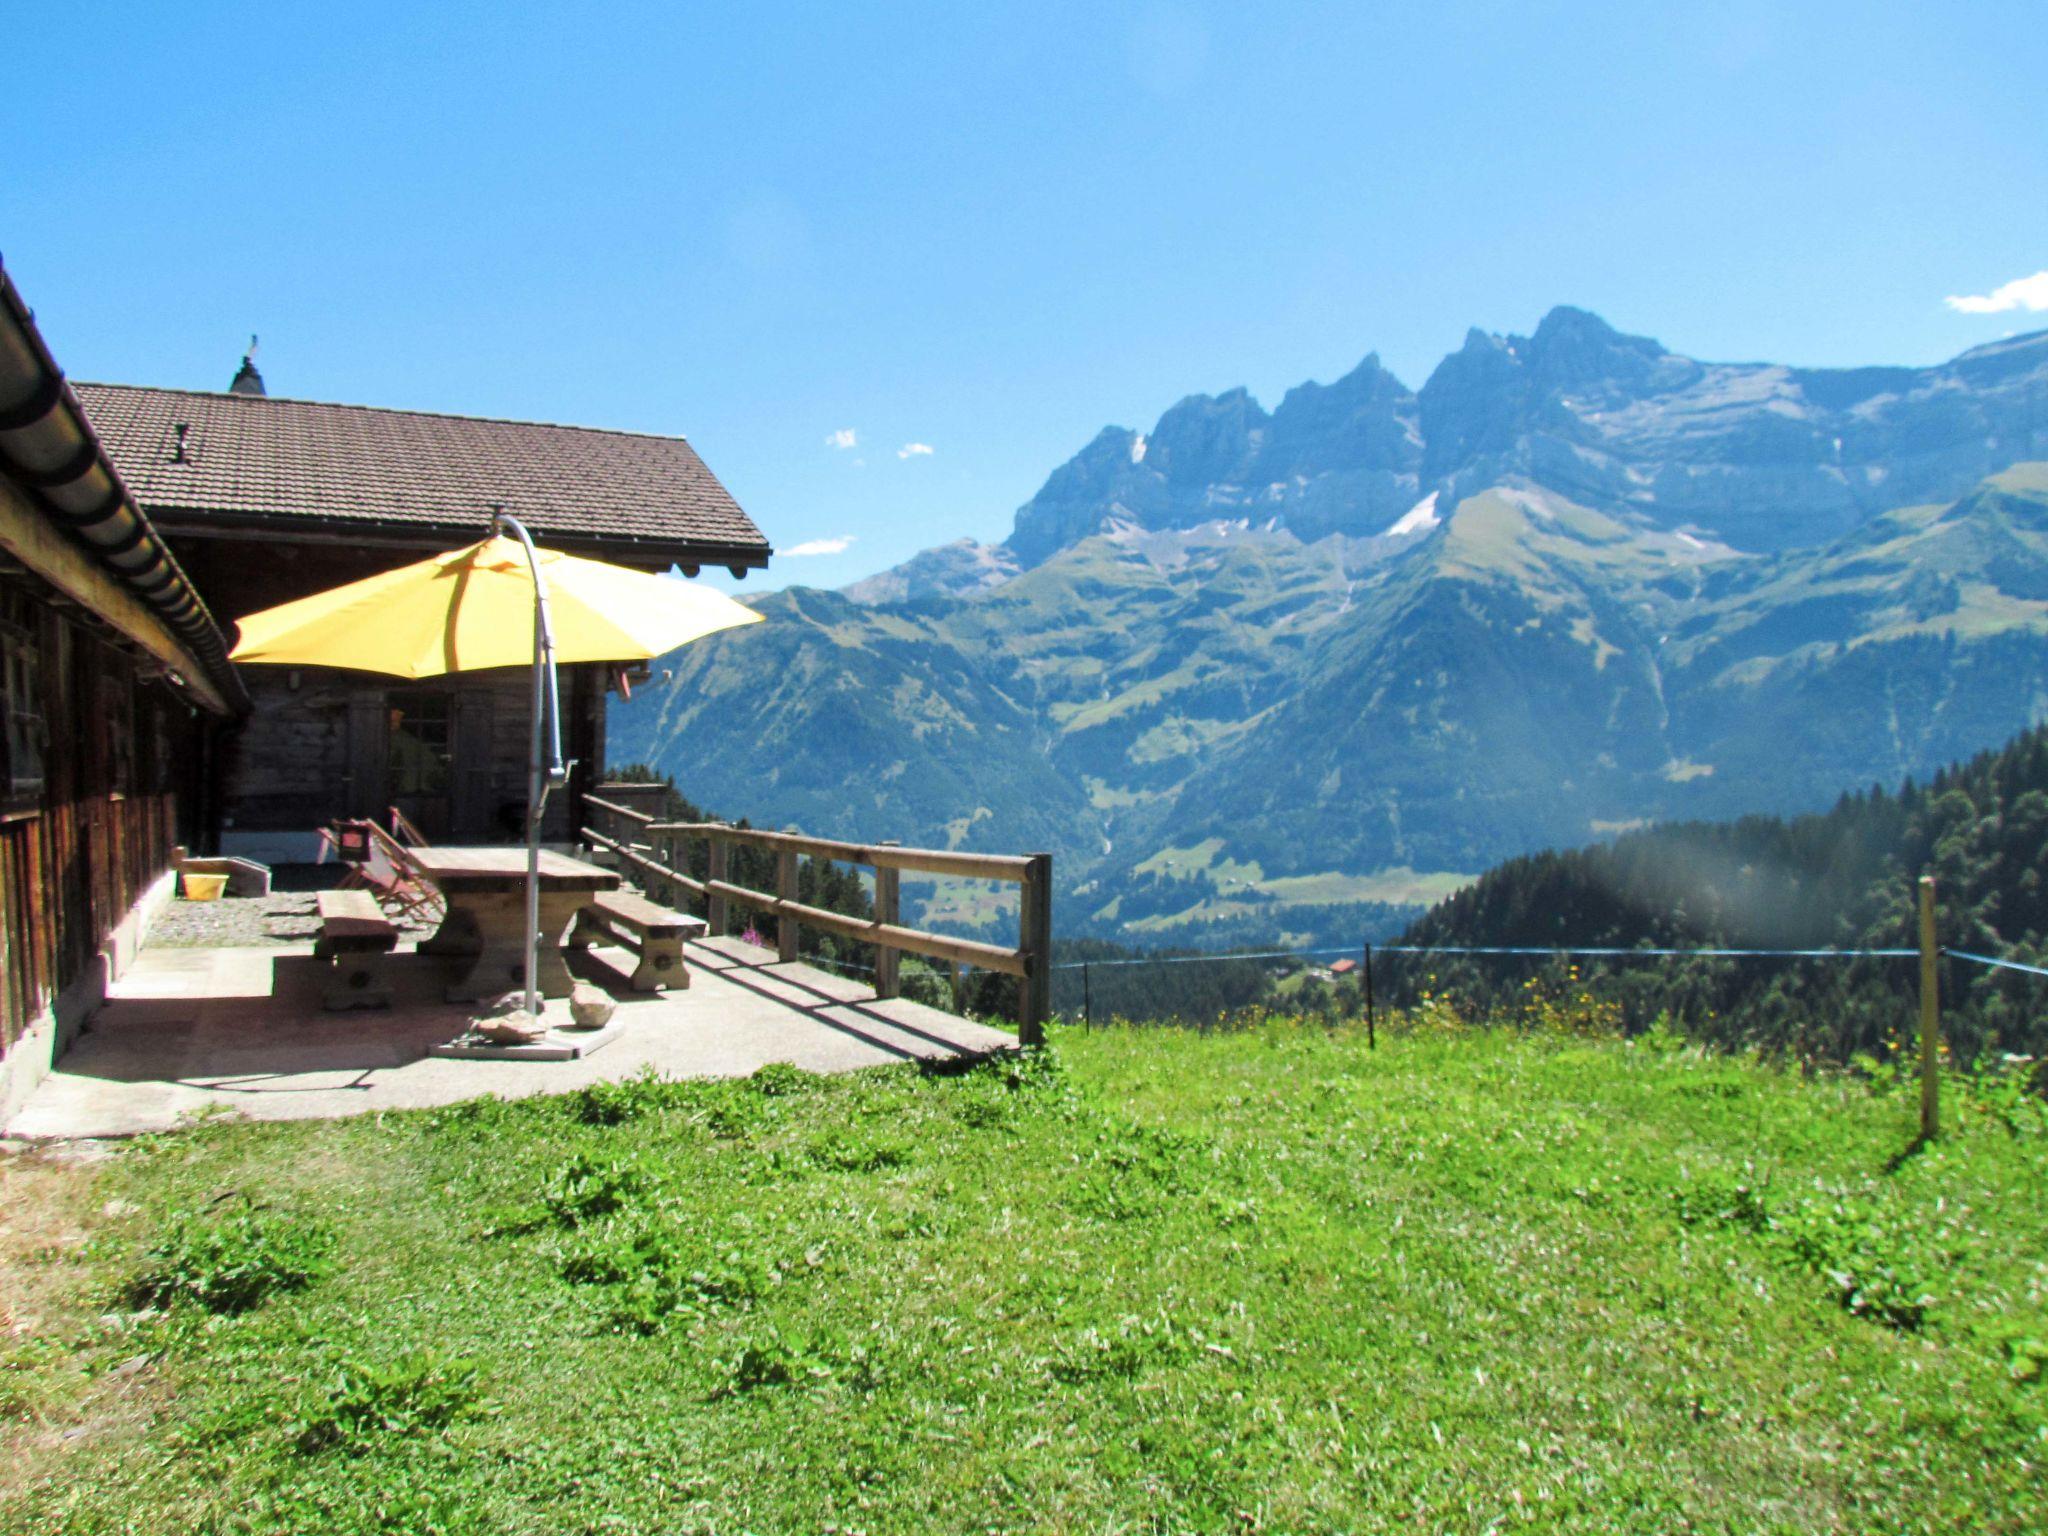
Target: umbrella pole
536	803
547	730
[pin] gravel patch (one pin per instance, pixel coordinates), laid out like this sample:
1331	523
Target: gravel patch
235	922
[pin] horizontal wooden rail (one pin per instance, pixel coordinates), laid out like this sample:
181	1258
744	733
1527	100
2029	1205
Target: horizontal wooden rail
1030	962
618	810
988	957
921	861
640	860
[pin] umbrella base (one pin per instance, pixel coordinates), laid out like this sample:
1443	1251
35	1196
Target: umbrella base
555	1045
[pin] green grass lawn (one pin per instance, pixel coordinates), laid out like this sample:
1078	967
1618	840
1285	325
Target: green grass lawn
1151	1281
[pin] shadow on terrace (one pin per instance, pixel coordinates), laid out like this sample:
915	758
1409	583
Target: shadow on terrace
190	1031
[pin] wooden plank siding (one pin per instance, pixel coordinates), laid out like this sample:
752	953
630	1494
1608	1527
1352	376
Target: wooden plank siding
73	864
316	746
316	749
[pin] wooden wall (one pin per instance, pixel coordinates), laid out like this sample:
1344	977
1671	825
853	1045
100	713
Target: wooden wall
315	747
122	759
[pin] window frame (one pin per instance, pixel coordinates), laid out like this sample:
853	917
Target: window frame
24	728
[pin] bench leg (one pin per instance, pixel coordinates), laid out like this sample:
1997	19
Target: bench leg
356	980
587	931
661	965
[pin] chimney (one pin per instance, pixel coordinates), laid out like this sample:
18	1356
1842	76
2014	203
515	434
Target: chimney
247	380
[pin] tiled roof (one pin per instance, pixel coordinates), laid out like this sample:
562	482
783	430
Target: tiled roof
247	458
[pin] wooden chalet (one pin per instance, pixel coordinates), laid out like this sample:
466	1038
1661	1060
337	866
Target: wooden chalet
115	693
265	499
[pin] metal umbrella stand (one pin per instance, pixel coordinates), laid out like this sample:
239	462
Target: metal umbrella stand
543	772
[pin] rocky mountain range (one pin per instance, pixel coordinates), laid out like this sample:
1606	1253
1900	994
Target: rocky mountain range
1261	675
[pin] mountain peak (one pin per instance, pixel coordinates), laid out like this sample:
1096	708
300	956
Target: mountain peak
1757	455
1569	320
1576	349
1207	439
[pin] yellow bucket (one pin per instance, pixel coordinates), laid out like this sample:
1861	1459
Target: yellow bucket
204	887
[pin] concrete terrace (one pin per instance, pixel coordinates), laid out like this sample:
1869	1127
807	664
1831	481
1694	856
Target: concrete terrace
195	1031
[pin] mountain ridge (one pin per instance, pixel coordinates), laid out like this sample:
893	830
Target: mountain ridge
1506	404
1253	673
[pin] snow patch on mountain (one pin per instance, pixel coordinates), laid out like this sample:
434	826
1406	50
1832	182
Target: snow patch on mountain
1419	518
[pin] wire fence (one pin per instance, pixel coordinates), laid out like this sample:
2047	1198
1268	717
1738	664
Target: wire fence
1360	981
1862	1006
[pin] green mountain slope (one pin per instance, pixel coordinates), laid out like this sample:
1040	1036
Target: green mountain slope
1228	726
854	722
1260	676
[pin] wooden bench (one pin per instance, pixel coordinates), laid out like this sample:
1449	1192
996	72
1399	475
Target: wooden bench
355	936
652	932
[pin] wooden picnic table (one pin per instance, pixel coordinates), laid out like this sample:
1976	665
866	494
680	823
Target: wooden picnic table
485	889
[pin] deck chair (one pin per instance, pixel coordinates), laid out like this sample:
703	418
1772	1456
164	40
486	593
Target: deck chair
403	829
380	861
330	848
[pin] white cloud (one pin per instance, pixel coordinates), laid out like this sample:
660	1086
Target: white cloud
843	438
913	450
837	546
2029	293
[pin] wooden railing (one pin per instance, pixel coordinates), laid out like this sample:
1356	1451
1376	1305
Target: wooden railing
662	868
656	877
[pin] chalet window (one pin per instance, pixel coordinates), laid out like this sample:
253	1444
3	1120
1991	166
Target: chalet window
421	740
22	731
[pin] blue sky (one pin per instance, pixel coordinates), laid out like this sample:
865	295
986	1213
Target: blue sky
991	230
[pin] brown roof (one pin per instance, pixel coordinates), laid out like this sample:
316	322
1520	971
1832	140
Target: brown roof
255	459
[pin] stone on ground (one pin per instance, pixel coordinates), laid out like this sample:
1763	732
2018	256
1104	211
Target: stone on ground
590	1007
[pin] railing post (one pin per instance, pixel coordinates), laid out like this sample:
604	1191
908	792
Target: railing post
959	988
1372	1033
1034	931
714	869
888	909
1930	1016
785	887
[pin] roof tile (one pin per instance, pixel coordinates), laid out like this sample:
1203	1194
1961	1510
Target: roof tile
252	455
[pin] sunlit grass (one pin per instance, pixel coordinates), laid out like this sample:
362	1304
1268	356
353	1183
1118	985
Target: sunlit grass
1261	1279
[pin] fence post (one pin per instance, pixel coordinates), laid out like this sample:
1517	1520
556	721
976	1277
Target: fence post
714	869
1930	1016
663	850
785	887
959	988
888	909
1372	1038
1034	930
1087	998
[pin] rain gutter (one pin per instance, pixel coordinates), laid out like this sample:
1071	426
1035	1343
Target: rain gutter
51	454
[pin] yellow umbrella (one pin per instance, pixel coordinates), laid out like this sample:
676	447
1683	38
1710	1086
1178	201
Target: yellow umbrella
474	608
498	603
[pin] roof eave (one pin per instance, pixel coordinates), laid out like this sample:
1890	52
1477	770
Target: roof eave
207	522
49	449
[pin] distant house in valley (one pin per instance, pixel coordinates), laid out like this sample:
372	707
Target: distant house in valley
264	500
1343	968
115	694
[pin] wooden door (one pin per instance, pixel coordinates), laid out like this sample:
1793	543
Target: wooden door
419	755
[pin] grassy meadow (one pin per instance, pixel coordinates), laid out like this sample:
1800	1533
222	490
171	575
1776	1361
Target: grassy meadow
1259	1279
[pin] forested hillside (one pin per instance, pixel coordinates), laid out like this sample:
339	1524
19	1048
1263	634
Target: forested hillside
1844	879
